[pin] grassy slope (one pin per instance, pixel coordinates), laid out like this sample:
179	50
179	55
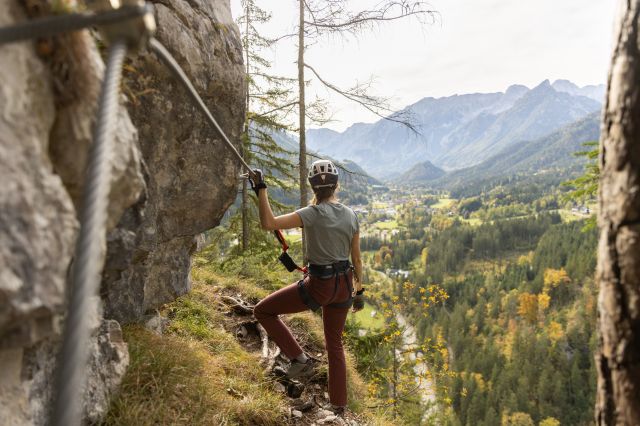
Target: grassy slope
197	373
444	203
367	321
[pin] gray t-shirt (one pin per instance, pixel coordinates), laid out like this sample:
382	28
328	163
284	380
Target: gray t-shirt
328	231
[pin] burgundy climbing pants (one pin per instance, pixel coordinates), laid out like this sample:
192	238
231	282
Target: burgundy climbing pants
287	301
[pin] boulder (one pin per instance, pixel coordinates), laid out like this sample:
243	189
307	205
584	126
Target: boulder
172	180
191	177
48	91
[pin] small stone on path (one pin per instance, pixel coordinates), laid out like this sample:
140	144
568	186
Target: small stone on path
327	419
325	413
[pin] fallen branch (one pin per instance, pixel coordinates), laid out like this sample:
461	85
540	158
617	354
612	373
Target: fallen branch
238	305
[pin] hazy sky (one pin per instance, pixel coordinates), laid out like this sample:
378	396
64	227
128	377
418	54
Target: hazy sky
474	46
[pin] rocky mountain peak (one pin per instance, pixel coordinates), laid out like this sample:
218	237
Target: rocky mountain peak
458	131
565	86
516	90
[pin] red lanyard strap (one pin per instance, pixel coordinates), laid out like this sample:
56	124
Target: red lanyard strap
281	239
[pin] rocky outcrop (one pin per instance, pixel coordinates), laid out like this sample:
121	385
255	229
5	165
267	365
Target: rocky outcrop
46	117
172	179
191	177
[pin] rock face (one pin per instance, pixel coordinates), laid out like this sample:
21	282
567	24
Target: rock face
45	132
37	218
172	179
191	176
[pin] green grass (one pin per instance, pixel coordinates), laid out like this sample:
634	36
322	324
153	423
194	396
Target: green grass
176	380
367	321
473	221
444	203
569	216
379	205
388	225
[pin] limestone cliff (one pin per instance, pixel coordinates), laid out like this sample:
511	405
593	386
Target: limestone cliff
191	178
172	179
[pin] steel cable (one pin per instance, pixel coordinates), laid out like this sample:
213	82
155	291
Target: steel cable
168	59
88	259
52	25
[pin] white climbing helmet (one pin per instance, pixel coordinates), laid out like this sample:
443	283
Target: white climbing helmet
323	174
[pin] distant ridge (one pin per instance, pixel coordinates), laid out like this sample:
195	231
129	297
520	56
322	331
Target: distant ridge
461	130
551	154
421	173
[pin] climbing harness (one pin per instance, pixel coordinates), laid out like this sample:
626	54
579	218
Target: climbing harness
323	272
128	26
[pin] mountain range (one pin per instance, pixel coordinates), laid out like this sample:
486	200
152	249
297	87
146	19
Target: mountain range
460	131
552	155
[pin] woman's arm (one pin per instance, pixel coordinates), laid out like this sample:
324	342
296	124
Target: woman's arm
356	259
270	222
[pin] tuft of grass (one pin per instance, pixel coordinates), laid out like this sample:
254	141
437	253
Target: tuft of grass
173	380
308	327
207	274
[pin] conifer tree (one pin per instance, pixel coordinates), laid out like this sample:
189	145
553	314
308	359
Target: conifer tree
268	103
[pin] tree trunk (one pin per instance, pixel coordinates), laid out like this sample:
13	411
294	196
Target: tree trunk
618	272
245	215
245	141
301	109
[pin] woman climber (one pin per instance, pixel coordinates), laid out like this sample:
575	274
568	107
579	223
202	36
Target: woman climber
331	234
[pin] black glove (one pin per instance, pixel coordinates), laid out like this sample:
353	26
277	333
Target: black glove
358	302
257	182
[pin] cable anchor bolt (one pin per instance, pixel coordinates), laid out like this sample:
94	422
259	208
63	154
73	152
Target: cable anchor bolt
135	31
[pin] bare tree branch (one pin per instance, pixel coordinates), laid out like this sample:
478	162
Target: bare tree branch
333	17
374	104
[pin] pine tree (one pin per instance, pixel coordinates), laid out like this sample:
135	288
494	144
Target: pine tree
269	102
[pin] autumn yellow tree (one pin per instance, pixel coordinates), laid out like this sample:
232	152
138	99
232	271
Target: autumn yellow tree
424	257
554	277
528	307
550	421
517	419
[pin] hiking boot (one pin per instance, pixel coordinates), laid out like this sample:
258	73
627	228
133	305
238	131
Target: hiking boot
300	369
